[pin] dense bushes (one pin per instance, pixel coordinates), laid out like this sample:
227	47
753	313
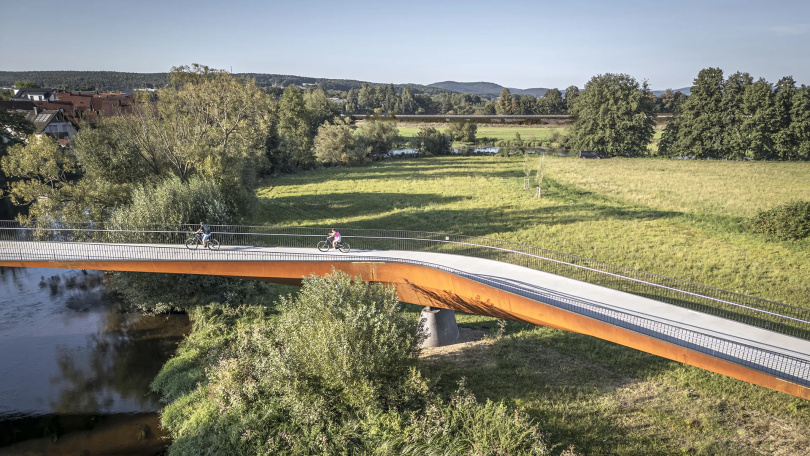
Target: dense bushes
433	142
173	202
789	221
334	373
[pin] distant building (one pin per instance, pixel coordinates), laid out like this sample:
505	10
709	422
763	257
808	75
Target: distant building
34	94
53	123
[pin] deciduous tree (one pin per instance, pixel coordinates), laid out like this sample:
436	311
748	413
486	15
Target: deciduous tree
335	143
295	138
615	115
698	129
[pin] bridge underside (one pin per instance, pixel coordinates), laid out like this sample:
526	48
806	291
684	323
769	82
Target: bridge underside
430	287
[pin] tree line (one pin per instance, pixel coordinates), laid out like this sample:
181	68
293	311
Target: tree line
734	118
206	136
740	118
352	96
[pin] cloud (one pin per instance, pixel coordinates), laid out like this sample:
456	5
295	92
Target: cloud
790	30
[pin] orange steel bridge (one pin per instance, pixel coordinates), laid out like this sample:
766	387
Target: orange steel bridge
754	340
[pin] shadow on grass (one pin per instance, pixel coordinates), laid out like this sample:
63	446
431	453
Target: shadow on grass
558	378
412	213
290	209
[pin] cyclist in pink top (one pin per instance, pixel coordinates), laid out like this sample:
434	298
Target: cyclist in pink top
335	236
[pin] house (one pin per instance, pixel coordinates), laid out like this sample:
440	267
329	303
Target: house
51	122
34	94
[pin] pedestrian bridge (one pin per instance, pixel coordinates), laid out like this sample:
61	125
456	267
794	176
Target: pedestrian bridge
754	340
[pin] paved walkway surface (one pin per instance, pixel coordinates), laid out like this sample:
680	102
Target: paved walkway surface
783	356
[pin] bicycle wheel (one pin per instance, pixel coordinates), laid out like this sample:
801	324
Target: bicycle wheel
191	243
344	247
323	246
213	244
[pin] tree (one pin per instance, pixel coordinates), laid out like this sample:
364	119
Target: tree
407	101
758	122
351	102
295	138
433	142
733	90
784	140
614	115
553	102
800	123
505	103
319	108
669	101
367	97
26	85
377	137
45	174
571	94
335	143
468	132
14	129
697	130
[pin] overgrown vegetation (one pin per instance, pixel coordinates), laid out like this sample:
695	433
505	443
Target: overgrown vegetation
334	372
789	221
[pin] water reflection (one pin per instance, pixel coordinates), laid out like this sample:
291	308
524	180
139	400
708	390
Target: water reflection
68	347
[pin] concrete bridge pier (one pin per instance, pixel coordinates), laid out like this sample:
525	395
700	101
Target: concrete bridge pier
440	327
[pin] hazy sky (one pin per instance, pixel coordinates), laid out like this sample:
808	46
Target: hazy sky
519	44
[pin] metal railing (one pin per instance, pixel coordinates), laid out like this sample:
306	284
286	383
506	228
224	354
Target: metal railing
96	243
774	316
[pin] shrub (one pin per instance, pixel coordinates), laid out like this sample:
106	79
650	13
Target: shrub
789	221
432	141
336	144
377	137
460	426
173	202
334	373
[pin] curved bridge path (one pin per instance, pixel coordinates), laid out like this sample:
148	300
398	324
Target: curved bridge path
475	285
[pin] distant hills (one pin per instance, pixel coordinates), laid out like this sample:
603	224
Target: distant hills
485	88
115	81
492	89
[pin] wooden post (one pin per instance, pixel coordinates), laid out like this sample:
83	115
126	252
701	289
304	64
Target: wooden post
539	191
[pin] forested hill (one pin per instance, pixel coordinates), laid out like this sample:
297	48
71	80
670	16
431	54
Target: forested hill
485	88
115	81
105	81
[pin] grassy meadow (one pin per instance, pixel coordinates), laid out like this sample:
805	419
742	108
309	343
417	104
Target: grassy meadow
683	219
492	132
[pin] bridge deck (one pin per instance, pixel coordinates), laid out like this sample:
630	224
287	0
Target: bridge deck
750	353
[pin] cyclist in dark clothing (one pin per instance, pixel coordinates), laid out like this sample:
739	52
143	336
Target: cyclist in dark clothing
206	233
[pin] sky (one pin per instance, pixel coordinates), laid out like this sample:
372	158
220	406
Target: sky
517	44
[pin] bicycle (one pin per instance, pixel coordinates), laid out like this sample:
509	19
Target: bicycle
325	245
193	242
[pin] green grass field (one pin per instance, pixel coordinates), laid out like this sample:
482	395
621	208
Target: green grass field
495	133
678	218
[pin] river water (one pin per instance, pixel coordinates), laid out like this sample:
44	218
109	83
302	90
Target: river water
75	367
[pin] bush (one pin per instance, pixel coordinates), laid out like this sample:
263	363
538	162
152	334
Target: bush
334	373
335	143
173	202
790	221
460	426
377	138
432	141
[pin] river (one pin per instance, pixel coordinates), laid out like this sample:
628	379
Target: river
75	367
